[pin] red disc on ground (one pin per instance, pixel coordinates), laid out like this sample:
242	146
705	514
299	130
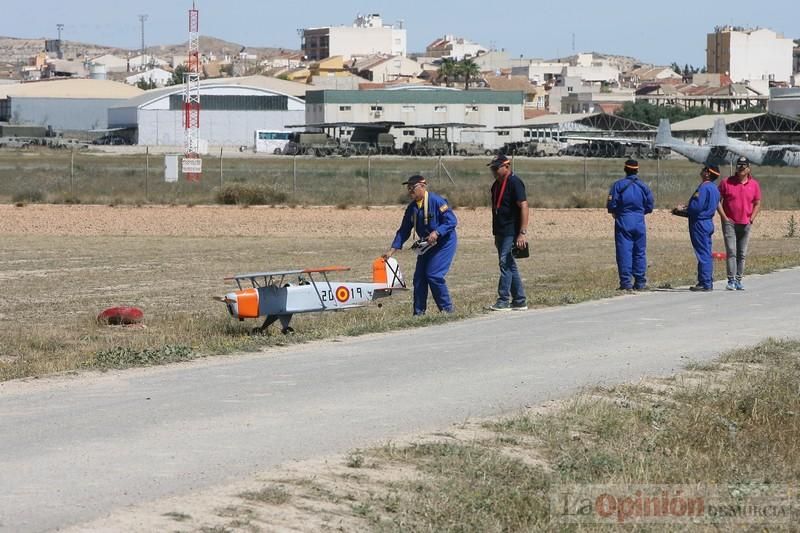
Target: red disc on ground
121	316
719	255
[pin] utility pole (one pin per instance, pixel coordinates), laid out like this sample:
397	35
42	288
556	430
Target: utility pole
142	20
60	27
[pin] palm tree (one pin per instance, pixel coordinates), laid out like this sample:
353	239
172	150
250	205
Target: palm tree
469	69
448	69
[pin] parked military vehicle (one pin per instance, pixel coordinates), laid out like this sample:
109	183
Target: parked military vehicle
318	144
468	149
531	148
427	146
387	143
615	149
15	143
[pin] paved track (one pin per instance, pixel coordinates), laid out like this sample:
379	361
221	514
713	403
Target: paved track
73	449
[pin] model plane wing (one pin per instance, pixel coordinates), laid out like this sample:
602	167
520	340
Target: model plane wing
320	270
254	275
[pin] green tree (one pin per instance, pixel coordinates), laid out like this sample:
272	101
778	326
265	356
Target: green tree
146	85
651	114
469	70
177	75
448	69
676	67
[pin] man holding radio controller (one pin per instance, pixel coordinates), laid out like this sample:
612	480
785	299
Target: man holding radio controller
429	215
510	229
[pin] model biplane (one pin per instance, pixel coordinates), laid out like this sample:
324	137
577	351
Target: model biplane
278	296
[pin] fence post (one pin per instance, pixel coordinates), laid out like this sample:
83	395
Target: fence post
220	167
369	178
585	174
294	174
72	173
146	174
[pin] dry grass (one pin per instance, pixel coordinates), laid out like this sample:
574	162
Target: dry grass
124	179
55	285
732	423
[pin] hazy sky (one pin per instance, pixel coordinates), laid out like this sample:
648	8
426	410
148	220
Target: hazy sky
656	32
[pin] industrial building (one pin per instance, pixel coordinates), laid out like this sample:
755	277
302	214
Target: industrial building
367	36
749	54
71	106
769	128
584	124
232	110
785	101
477	112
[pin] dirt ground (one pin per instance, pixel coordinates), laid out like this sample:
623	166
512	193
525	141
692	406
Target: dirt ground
222	221
196	510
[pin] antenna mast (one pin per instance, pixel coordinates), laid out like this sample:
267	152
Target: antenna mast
192	165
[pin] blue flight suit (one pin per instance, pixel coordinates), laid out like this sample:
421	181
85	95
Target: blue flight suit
701	209
629	200
432	267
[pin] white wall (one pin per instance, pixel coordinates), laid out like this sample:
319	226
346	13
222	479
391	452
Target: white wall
395	68
227	128
348	42
760	54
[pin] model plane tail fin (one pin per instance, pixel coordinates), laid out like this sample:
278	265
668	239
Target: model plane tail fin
386	271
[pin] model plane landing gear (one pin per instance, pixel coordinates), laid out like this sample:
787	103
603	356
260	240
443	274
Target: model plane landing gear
271	319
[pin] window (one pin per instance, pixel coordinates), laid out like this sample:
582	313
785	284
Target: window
344	108
472	109
272	135
376	108
409	108
409	133
440	109
503	133
504	108
526	133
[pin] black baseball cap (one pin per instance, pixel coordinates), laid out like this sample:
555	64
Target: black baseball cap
498	161
742	162
415	179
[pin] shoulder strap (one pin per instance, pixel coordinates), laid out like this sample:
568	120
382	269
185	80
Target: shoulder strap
499	199
425	207
631	181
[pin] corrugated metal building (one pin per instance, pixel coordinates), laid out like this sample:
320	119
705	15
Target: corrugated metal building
414	106
74	105
232	110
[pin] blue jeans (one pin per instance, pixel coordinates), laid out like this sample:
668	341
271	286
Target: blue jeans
509	288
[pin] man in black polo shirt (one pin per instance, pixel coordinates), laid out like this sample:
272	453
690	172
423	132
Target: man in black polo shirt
509	227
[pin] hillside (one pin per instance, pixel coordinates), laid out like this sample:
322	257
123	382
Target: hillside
18	51
623	63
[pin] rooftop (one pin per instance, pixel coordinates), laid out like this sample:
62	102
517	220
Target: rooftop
71	88
706	122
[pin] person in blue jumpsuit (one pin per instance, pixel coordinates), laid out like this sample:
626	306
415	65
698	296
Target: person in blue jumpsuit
431	218
701	209
629	200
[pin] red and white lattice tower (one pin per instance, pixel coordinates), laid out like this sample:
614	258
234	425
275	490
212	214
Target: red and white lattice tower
192	164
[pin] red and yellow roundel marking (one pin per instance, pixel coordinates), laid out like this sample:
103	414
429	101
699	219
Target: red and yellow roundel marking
342	294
